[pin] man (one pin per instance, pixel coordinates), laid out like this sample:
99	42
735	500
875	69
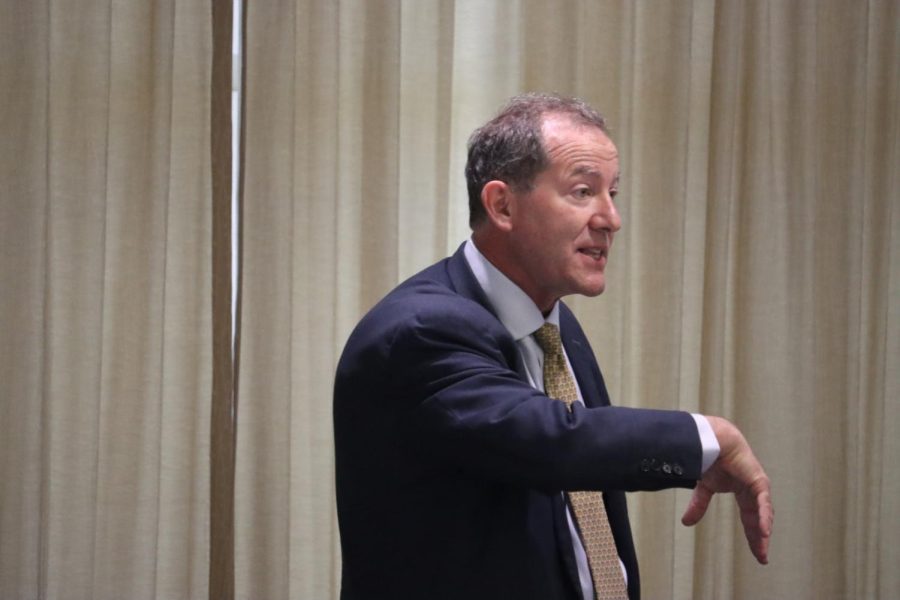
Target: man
466	438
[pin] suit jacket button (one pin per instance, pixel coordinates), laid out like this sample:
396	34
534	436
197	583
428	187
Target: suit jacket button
645	465
677	469
667	468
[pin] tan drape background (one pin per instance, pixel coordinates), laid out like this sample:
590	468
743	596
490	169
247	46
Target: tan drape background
757	275
105	313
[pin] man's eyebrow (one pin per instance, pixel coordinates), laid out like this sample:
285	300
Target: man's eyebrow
586	170
592	172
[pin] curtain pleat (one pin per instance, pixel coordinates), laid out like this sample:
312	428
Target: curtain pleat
23	223
753	278
104	394
756	275
223	408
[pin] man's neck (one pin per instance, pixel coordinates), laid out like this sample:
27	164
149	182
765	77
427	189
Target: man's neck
497	253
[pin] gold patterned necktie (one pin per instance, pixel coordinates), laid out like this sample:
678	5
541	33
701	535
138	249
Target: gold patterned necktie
590	512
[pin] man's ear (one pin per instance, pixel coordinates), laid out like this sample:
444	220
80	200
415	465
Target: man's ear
497	199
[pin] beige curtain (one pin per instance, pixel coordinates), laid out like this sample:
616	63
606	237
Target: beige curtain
105	316
757	275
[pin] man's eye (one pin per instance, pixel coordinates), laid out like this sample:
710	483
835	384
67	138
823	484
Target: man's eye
583	193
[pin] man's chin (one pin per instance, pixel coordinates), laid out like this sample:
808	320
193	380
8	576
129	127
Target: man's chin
592	290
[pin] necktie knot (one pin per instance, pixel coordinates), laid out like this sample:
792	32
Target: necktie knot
547	336
558	381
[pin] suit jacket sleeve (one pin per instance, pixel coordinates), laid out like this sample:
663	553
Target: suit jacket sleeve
461	400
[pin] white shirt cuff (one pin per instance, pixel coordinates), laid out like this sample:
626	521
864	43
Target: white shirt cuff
708	441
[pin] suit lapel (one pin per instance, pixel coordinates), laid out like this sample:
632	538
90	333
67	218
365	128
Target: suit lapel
582	359
463	280
466	285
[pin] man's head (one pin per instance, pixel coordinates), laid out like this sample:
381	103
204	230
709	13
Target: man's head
510	147
545	173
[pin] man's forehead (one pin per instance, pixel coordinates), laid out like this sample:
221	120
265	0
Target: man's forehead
561	130
578	149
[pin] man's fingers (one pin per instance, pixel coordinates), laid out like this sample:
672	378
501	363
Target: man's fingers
766	519
756	539
761	552
757	516
766	513
697	506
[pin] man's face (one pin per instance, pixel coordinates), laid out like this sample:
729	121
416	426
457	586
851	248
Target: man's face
562	228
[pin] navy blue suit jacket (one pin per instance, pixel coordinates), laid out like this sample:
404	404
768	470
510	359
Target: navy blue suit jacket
450	467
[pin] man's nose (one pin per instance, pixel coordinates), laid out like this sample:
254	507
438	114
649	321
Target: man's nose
606	215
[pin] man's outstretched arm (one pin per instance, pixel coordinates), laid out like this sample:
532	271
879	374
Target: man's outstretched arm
736	471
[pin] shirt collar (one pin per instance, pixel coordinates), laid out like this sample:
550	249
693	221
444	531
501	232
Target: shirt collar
518	313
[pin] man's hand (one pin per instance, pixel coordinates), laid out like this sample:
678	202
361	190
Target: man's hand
736	471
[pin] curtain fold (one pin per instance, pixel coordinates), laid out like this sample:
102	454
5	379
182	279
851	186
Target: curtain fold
105	382
223	405
755	276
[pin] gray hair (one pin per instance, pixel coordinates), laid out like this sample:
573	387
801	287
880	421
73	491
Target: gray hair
510	147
